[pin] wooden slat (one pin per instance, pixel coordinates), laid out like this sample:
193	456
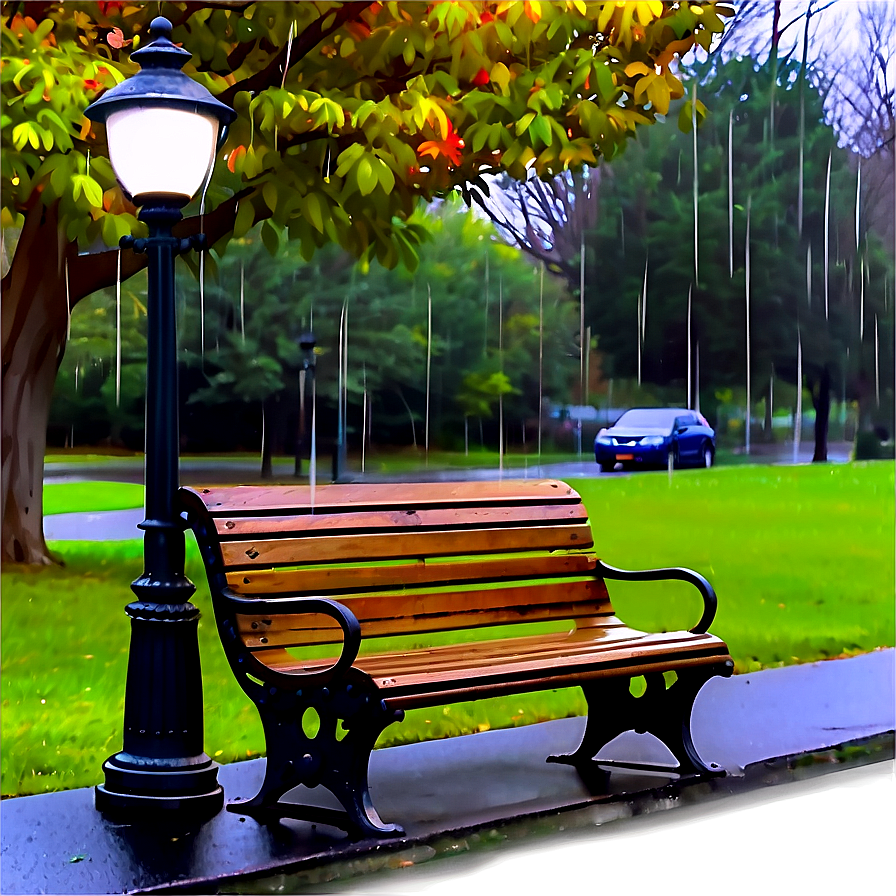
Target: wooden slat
542	651
399	613
394	546
543	679
396	520
337	579
469	652
297	498
554	656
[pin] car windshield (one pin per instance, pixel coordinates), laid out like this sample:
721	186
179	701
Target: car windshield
655	418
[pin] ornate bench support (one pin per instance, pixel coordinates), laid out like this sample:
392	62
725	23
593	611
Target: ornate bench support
336	756
664	712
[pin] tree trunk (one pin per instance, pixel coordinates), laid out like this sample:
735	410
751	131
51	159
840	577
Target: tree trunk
767	427
821	401
34	322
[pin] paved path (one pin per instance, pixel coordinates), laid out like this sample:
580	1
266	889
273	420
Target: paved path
463	794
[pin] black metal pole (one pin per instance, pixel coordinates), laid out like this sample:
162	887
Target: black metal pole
162	768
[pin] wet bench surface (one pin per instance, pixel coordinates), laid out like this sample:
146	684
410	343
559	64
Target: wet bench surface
341	607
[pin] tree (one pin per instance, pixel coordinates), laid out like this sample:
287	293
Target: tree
348	113
255	309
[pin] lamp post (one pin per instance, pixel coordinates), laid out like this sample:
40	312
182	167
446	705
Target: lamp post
306	343
163	131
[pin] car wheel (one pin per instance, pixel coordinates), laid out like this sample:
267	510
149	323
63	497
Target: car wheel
607	468
707	455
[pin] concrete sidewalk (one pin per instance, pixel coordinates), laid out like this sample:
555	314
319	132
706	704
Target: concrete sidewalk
469	793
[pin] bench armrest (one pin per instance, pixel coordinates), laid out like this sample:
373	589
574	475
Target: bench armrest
348	622
685	575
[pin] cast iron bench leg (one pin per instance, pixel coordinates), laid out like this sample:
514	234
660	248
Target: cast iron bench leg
336	757
664	712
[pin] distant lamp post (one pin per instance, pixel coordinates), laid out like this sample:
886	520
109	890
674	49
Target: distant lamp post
306	343
163	131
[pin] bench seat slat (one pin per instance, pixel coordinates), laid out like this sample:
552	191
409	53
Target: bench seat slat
411	677
399	613
298	498
336	579
550	650
235	527
395	546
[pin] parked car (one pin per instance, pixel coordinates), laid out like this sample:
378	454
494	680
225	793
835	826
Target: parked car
649	437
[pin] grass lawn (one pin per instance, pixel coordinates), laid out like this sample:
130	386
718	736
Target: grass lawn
801	558
69	497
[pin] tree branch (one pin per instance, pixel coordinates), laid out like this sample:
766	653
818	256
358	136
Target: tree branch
301	46
90	272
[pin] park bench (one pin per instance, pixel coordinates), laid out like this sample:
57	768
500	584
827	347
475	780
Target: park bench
381	567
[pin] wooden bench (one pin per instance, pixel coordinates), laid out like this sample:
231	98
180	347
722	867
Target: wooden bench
380	561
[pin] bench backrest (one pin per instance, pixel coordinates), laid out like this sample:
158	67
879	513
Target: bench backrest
406	558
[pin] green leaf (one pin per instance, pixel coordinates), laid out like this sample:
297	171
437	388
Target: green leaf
541	129
524	123
314	212
269	194
92	191
245	217
348	157
367	179
270	238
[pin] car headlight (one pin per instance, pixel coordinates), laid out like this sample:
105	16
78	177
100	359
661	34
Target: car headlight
653	440
604	440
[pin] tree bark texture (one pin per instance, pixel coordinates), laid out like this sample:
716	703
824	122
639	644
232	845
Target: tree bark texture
34	324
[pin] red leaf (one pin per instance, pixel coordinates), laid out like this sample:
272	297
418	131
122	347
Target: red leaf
481	78
115	38
450	147
236	154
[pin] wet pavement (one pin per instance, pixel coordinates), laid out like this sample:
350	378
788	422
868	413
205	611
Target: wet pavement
484	812
792	732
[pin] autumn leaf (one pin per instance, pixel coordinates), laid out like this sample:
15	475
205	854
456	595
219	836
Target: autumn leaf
481	78
450	147
234	157
115	38
533	9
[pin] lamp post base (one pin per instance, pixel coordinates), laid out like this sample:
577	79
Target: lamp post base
132	794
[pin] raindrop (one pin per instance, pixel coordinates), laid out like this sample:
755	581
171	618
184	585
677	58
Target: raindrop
501	365
118	332
747	300
312	461
540	368
428	368
202	265
242	302
696	180
798	416
827	232
68	303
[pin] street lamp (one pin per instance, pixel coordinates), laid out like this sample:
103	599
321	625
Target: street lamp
163	131
306	343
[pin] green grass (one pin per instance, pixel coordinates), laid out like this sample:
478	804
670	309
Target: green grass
801	558
92	496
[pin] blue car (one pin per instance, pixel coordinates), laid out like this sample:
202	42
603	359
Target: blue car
650	437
